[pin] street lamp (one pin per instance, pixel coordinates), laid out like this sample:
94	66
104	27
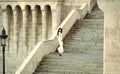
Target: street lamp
3	37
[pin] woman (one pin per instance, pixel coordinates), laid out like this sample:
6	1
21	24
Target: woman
60	40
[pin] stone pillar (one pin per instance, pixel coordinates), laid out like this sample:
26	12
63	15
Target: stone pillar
24	27
5	25
56	17
34	20
44	26
111	11
15	30
5	21
54	22
58	13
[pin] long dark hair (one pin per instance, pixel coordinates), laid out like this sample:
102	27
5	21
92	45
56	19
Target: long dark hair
59	30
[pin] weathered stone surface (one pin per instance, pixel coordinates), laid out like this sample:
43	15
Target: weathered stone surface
112	37
80	57
20	22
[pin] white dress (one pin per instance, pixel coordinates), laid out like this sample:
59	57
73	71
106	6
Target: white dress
60	48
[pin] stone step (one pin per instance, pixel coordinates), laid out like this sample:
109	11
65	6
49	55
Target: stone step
61	66
68	67
80	36
46	73
93	29
85	51
83	43
71	62
79	71
87	31
90	23
85	40
73	55
95	15
89	34
67	72
81	51
61	71
68	63
92	43
71	65
82	48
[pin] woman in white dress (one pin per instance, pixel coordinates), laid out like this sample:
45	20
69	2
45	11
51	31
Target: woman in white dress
60	40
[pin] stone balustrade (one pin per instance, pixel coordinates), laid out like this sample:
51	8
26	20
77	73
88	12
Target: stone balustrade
27	14
31	62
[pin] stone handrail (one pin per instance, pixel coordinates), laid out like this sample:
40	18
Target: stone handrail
74	15
43	48
33	59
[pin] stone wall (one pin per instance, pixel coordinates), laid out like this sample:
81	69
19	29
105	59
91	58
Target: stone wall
68	5
65	11
23	28
73	2
111	9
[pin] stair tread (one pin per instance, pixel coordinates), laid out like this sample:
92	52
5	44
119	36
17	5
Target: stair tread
80	70
74	55
46	73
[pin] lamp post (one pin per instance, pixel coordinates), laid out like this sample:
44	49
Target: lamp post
3	37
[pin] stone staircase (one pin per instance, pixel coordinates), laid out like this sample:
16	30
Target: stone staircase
83	47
